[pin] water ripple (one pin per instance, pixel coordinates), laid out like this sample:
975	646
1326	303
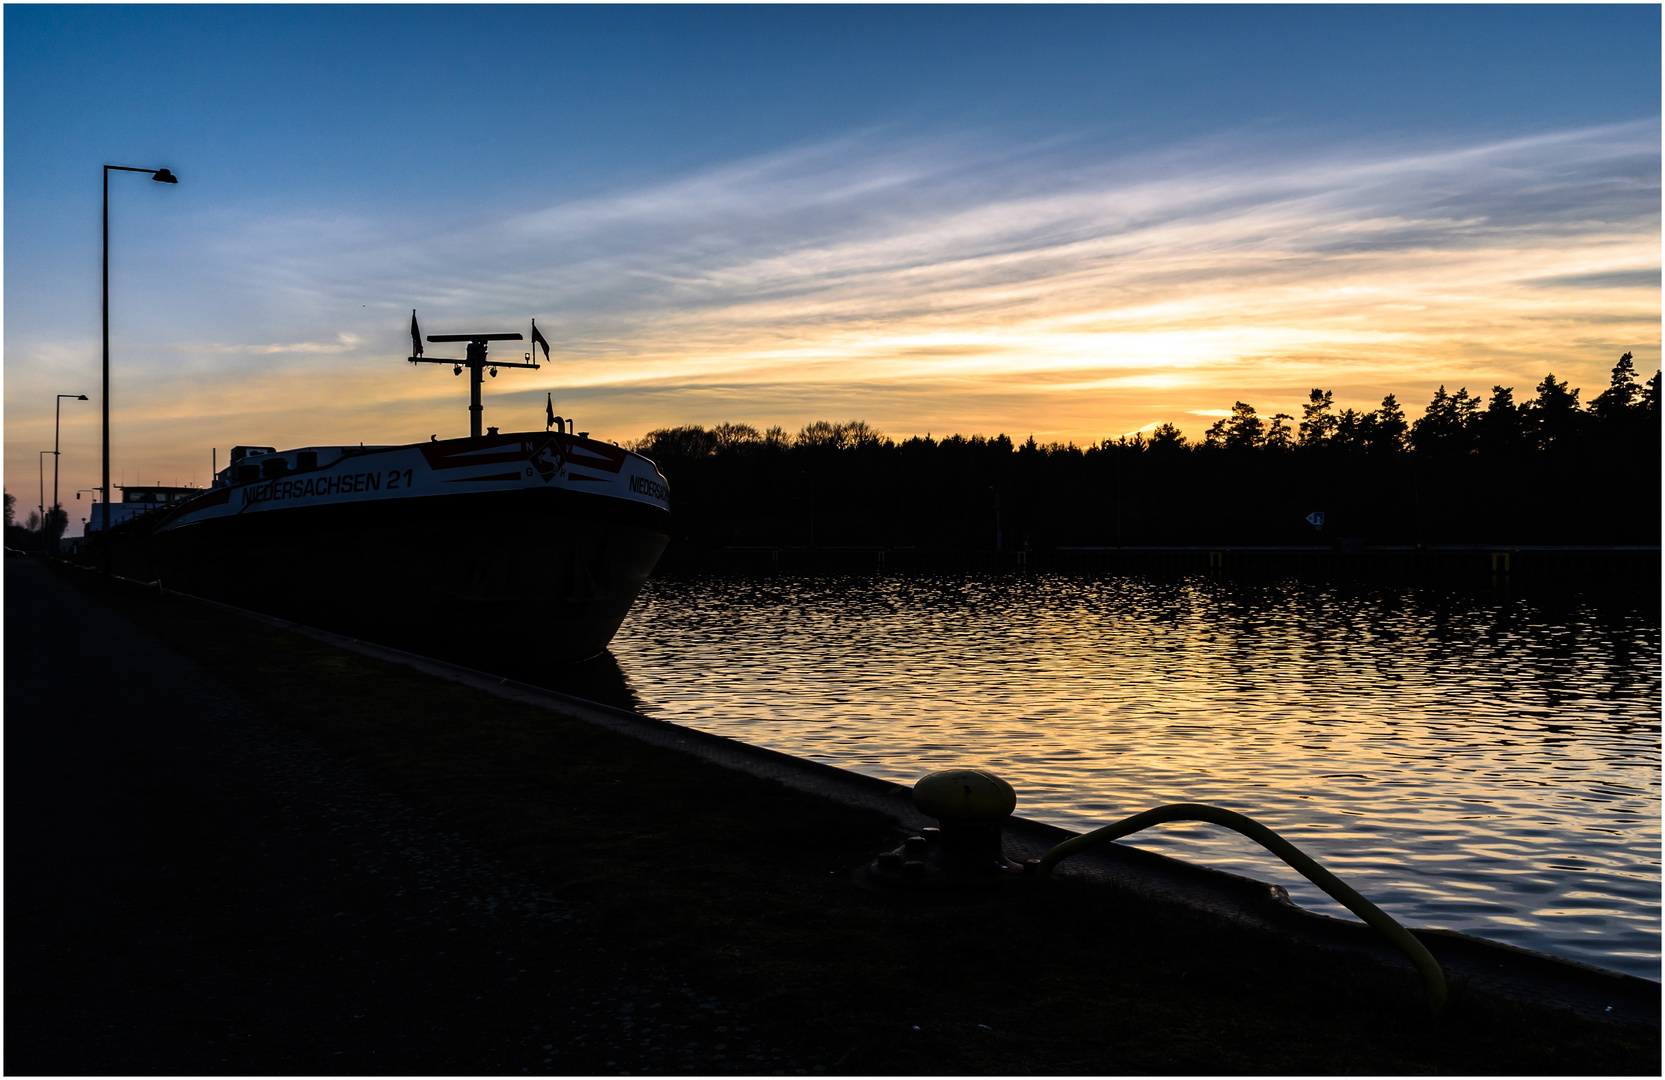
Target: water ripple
1486	765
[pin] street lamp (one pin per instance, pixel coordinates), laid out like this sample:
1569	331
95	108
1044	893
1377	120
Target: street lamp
40	462
58	416
161	176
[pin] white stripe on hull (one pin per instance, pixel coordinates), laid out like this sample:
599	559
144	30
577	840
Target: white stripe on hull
328	476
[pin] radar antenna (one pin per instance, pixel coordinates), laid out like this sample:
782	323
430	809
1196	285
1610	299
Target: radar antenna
475	362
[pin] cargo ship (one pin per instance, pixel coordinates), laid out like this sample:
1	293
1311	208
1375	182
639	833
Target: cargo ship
522	549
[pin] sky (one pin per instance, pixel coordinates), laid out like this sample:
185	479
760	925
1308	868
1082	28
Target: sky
1066	222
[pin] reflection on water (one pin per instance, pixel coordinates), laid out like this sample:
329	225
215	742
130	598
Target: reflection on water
1487	765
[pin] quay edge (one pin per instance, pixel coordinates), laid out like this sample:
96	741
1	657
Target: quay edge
1492	968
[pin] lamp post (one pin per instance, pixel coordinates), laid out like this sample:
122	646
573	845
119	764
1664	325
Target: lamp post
57	421
161	176
40	462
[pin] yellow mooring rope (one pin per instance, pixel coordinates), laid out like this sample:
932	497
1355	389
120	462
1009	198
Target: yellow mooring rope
1433	979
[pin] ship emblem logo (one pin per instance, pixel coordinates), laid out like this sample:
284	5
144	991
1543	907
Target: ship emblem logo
548	460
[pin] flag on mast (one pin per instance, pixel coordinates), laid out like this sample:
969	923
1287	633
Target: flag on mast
415	335
549	411
537	339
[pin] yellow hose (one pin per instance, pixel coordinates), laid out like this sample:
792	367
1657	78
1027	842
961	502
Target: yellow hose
1433	979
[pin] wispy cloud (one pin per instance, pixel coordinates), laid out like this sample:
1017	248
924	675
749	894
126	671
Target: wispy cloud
957	286
894	264
1646	278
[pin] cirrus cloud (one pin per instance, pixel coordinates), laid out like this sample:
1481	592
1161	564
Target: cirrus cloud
936	286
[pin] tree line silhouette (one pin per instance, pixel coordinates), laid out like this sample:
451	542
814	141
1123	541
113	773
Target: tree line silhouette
27	535
1545	471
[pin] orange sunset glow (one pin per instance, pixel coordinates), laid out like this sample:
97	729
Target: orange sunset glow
934	283
1074	316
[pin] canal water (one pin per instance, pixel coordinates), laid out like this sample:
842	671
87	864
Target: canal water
1485	763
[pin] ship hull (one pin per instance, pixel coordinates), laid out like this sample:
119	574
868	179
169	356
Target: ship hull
530	576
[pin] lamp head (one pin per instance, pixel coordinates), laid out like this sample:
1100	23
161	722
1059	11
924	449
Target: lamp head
81	397
163	176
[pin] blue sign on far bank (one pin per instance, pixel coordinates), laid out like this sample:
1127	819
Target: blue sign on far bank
1316	519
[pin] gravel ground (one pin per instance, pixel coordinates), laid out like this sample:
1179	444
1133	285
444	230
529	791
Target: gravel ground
192	889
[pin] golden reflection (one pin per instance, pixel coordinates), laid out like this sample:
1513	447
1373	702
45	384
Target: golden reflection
1365	724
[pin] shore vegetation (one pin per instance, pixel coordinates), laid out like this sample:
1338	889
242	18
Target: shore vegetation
1473	468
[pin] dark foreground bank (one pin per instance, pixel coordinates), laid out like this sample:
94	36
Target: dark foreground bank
234	849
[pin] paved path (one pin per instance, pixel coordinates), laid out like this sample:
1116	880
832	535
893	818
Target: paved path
189	890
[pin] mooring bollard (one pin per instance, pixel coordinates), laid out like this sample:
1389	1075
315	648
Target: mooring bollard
964	854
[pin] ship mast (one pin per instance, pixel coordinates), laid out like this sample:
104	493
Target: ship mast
475	361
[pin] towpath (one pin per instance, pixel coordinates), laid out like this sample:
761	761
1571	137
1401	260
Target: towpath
191	890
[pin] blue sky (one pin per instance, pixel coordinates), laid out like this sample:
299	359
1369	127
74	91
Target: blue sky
1075	221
